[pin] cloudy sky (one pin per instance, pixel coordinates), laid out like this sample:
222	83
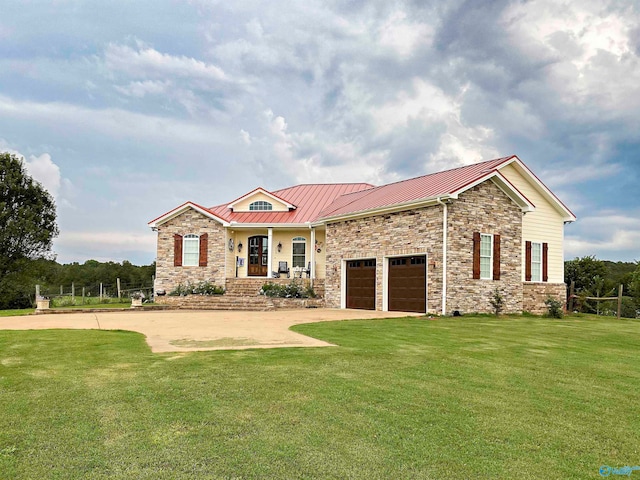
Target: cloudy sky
125	109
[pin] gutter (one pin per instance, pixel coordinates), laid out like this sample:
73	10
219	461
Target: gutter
445	214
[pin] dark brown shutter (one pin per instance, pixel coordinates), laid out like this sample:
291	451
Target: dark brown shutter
177	250
476	255
496	257
527	261
204	244
545	268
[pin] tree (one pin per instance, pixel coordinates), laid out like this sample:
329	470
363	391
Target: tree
584	272
27	224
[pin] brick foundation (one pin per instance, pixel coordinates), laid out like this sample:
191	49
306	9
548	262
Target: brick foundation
536	293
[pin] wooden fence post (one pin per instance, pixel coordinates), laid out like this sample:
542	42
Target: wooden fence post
37	292
119	292
101	291
83	295
73	293
620	301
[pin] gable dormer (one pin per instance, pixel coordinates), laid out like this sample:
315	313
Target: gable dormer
260	200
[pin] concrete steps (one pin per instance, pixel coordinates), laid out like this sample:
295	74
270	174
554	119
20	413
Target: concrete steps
226	302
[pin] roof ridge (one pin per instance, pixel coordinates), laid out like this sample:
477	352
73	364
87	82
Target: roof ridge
446	171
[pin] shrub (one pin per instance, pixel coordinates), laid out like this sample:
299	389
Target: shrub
202	288
207	288
554	308
497	301
292	290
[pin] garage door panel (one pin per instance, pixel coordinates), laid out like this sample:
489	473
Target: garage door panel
407	284
361	284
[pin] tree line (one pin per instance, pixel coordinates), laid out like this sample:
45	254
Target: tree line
27	229
601	278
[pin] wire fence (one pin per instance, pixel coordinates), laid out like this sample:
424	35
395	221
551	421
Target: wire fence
94	294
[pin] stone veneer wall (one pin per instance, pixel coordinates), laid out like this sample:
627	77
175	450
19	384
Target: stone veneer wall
536	293
485	209
190	222
411	232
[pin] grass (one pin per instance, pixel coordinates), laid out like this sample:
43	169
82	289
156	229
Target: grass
96	306
399	398
15	313
65	301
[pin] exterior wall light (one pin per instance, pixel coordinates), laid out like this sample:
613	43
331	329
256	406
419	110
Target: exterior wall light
279	247
239	247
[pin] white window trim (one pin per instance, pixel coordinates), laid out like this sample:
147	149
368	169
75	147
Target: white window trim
537	280
303	241
263	203
490	235
190	236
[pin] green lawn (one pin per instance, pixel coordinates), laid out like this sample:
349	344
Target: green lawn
15	313
402	398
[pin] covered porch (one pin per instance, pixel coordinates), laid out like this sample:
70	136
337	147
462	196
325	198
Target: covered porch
262	252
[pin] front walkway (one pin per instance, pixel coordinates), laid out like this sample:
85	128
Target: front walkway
185	331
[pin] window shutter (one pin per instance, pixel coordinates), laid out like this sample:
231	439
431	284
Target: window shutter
545	269
476	255
177	250
527	262
496	257
204	244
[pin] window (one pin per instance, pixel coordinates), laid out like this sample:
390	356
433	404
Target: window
536	262
260	205
486	255
191	250
299	252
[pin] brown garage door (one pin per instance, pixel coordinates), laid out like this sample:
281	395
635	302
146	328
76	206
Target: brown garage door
361	284
407	284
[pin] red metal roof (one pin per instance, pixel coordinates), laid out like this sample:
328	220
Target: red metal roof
414	189
309	200
319	201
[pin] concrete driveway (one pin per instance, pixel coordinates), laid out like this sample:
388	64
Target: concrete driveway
185	331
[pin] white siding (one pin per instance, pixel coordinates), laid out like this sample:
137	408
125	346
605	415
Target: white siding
544	225
243	206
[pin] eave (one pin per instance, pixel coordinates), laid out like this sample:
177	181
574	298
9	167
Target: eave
155	223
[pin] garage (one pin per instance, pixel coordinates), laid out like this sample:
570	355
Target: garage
361	284
407	284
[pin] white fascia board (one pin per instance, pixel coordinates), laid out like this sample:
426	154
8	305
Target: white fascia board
506	186
399	207
239	226
180	210
568	215
264	192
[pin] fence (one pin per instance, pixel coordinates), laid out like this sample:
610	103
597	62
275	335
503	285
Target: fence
93	294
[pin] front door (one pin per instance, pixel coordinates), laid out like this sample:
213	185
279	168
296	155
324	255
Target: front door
258	256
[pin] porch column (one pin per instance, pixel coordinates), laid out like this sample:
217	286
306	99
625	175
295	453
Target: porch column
313	253
270	256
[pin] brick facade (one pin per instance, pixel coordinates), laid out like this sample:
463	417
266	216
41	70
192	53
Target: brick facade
190	222
484	208
536	293
411	232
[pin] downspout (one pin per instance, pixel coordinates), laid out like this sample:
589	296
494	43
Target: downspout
444	255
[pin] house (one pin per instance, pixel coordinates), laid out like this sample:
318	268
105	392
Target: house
437	244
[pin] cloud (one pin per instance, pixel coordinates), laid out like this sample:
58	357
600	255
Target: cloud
140	89
42	169
104	245
607	234
46	172
114	122
146	62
